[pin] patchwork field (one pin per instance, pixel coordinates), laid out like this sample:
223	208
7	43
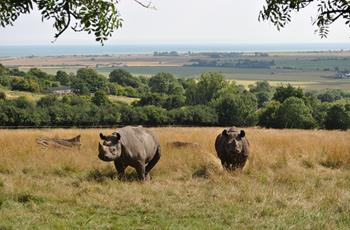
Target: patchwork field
294	179
309	70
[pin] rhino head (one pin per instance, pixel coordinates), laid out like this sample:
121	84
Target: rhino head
233	141
110	149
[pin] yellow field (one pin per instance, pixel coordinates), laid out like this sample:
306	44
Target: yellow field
301	84
125	99
15	94
294	179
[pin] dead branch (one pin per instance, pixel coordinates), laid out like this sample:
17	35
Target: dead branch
58	142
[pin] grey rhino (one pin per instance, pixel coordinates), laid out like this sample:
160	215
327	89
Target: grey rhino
131	146
232	147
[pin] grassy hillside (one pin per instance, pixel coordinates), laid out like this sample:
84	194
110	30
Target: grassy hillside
295	179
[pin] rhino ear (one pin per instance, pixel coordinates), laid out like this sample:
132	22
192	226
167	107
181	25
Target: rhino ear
224	133
103	137
242	134
116	135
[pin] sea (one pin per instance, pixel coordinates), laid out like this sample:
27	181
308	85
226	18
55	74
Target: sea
10	51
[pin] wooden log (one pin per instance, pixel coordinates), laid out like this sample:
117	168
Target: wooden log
58	142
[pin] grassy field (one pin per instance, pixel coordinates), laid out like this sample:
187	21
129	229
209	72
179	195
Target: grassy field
37	96
294	179
15	94
127	100
309	70
309	79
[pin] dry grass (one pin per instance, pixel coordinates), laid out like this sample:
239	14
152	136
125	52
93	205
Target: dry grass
16	94
295	179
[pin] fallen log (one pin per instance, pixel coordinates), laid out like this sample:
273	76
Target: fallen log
182	144
58	142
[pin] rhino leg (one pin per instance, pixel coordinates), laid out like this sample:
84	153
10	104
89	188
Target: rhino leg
141	169
119	166
153	162
225	164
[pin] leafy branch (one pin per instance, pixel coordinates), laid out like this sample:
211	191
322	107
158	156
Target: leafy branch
100	17
328	11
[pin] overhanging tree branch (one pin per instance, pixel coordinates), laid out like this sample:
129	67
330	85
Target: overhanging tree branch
149	5
329	11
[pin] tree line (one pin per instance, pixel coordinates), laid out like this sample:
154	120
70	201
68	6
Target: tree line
165	100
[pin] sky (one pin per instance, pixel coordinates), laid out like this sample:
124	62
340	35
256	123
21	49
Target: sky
182	22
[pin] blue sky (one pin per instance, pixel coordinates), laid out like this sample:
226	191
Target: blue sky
183	21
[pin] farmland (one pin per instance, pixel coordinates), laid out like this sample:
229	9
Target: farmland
294	179
309	70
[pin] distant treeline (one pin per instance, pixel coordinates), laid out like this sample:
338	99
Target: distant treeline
165	100
171	53
240	63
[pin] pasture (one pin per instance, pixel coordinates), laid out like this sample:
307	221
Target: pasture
309	70
294	179
308	79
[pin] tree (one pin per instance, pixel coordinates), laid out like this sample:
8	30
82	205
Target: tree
123	78
263	92
337	118
155	115
25	84
330	95
165	83
268	115
293	113
328	11
100	17
284	92
90	79
62	77
152	99
236	109
47	101
208	87
100	98
193	115
39	74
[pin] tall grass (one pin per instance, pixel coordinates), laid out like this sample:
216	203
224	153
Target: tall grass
294	179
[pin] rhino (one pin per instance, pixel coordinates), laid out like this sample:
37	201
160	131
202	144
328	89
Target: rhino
131	146
232	147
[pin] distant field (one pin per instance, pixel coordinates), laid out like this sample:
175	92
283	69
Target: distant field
294	180
310	70
311	80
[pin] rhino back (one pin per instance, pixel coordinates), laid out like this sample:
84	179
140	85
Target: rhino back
138	143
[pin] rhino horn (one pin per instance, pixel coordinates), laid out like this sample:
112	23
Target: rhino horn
101	149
